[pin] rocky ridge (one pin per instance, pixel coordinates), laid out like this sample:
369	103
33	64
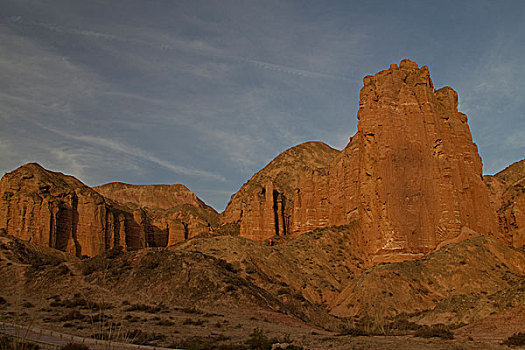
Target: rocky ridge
59	211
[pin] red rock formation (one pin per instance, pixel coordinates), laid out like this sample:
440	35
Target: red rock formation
61	212
420	175
508	199
279	199
151	196
411	176
171	213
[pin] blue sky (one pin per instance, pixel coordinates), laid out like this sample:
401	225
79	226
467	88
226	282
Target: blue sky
206	93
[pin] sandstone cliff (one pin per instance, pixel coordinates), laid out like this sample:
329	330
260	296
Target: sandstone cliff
59	211
283	198
419	176
411	176
151	196
173	213
507	190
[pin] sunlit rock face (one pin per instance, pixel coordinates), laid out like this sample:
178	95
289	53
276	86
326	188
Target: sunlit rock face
419	173
411	176
286	197
59	211
507	190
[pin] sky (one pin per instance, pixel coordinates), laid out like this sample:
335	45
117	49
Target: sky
206	93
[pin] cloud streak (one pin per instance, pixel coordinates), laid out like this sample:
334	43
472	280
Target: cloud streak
134	152
174	43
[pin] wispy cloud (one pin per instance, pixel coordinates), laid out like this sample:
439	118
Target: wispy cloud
287	69
177	43
134	152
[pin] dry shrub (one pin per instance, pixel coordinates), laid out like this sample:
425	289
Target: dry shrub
517	339
437	331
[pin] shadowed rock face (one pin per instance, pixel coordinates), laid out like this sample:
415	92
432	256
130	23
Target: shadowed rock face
507	190
411	176
173	213
59	211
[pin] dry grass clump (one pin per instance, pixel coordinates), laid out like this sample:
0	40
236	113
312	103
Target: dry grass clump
152	309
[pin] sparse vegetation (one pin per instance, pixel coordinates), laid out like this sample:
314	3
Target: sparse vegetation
192	322
73	315
517	339
259	341
438	331
143	338
11	343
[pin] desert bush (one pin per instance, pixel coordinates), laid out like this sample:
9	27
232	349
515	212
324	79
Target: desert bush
73	315
250	269
354	332
189	310
146	308
438	330
3	301
226	265
89	266
165	323
62	270
517	339
107	261
189	321
229	229
402	324
101	317
142	338
74	346
259	341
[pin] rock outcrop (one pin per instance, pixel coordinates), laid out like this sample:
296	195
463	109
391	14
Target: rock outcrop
507	190
419	175
151	196
411	176
59	211
172	212
286	197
